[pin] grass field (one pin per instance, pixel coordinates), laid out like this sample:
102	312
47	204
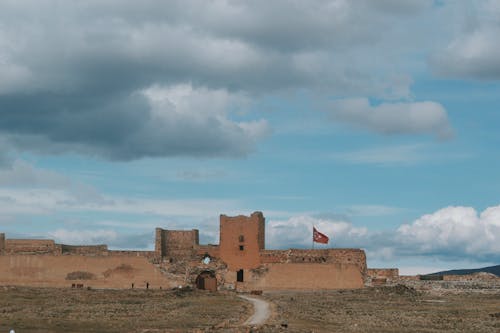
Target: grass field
381	309
387	309
29	310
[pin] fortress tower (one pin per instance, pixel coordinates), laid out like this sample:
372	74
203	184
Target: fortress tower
241	240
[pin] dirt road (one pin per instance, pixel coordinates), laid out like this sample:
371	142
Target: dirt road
261	311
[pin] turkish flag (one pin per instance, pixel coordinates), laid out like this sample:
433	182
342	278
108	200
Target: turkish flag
318	237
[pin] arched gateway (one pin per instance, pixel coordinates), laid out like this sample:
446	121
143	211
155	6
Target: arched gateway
206	280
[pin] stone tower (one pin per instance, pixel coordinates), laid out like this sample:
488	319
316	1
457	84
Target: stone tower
241	240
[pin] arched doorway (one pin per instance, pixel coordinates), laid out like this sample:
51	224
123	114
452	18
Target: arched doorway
206	280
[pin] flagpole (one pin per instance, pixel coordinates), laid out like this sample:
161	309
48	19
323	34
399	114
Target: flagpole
313	238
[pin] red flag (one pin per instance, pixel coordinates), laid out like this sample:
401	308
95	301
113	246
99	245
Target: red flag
318	237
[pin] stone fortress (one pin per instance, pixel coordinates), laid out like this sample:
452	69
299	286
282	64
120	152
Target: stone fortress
240	262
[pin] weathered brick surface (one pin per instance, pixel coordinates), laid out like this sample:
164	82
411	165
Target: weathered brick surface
31	246
145	254
303	276
388	273
176	244
89	250
241	240
51	271
212	250
342	256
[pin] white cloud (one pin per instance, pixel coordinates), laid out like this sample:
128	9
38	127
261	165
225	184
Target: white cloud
454	232
394	118
451	234
188	118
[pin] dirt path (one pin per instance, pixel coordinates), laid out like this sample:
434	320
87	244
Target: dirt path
261	311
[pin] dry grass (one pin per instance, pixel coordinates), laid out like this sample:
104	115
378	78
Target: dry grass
31	310
382	309
386	309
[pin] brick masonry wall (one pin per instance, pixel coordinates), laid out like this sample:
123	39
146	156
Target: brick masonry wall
302	276
212	250
181	244
331	256
160	242
125	253
31	246
89	250
241	240
388	273
176	244
51	271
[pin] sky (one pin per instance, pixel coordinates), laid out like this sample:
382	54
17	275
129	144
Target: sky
375	121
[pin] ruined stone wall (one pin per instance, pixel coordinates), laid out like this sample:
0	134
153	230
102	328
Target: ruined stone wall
408	278
160	242
241	240
302	276
212	250
381	276
176	244
331	256
31	246
105	272
88	250
388	273
126	253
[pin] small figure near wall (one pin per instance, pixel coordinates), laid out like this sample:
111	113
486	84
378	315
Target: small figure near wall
147	285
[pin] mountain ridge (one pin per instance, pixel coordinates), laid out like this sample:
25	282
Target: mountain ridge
490	269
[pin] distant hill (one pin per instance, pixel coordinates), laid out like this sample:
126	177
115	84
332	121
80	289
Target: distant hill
492	269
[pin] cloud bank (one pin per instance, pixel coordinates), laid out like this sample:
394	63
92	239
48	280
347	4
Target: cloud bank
451	233
86	77
474	52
